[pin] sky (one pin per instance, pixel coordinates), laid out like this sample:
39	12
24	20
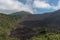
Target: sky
32	6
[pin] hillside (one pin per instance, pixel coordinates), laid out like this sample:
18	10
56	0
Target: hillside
37	24
51	20
26	26
7	23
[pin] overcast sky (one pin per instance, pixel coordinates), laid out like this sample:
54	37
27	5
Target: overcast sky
33	6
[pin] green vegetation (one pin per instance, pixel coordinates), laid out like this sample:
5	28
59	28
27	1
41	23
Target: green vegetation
48	36
7	23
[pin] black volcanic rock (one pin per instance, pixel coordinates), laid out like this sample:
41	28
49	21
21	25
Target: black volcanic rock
34	24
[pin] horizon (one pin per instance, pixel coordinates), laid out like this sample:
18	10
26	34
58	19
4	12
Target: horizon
29	12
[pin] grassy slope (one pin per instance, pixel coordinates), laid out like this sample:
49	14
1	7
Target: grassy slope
7	23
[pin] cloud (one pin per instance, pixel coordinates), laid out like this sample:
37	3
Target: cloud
58	6
41	4
10	6
45	5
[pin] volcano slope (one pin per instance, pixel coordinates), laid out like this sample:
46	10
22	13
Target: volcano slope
36	24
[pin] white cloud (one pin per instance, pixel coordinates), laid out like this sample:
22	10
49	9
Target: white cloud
9	6
41	4
45	5
13	6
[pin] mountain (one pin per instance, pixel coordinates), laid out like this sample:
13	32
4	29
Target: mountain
19	15
22	13
42	16
36	24
51	20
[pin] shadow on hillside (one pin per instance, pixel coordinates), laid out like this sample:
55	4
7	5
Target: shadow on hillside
28	30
